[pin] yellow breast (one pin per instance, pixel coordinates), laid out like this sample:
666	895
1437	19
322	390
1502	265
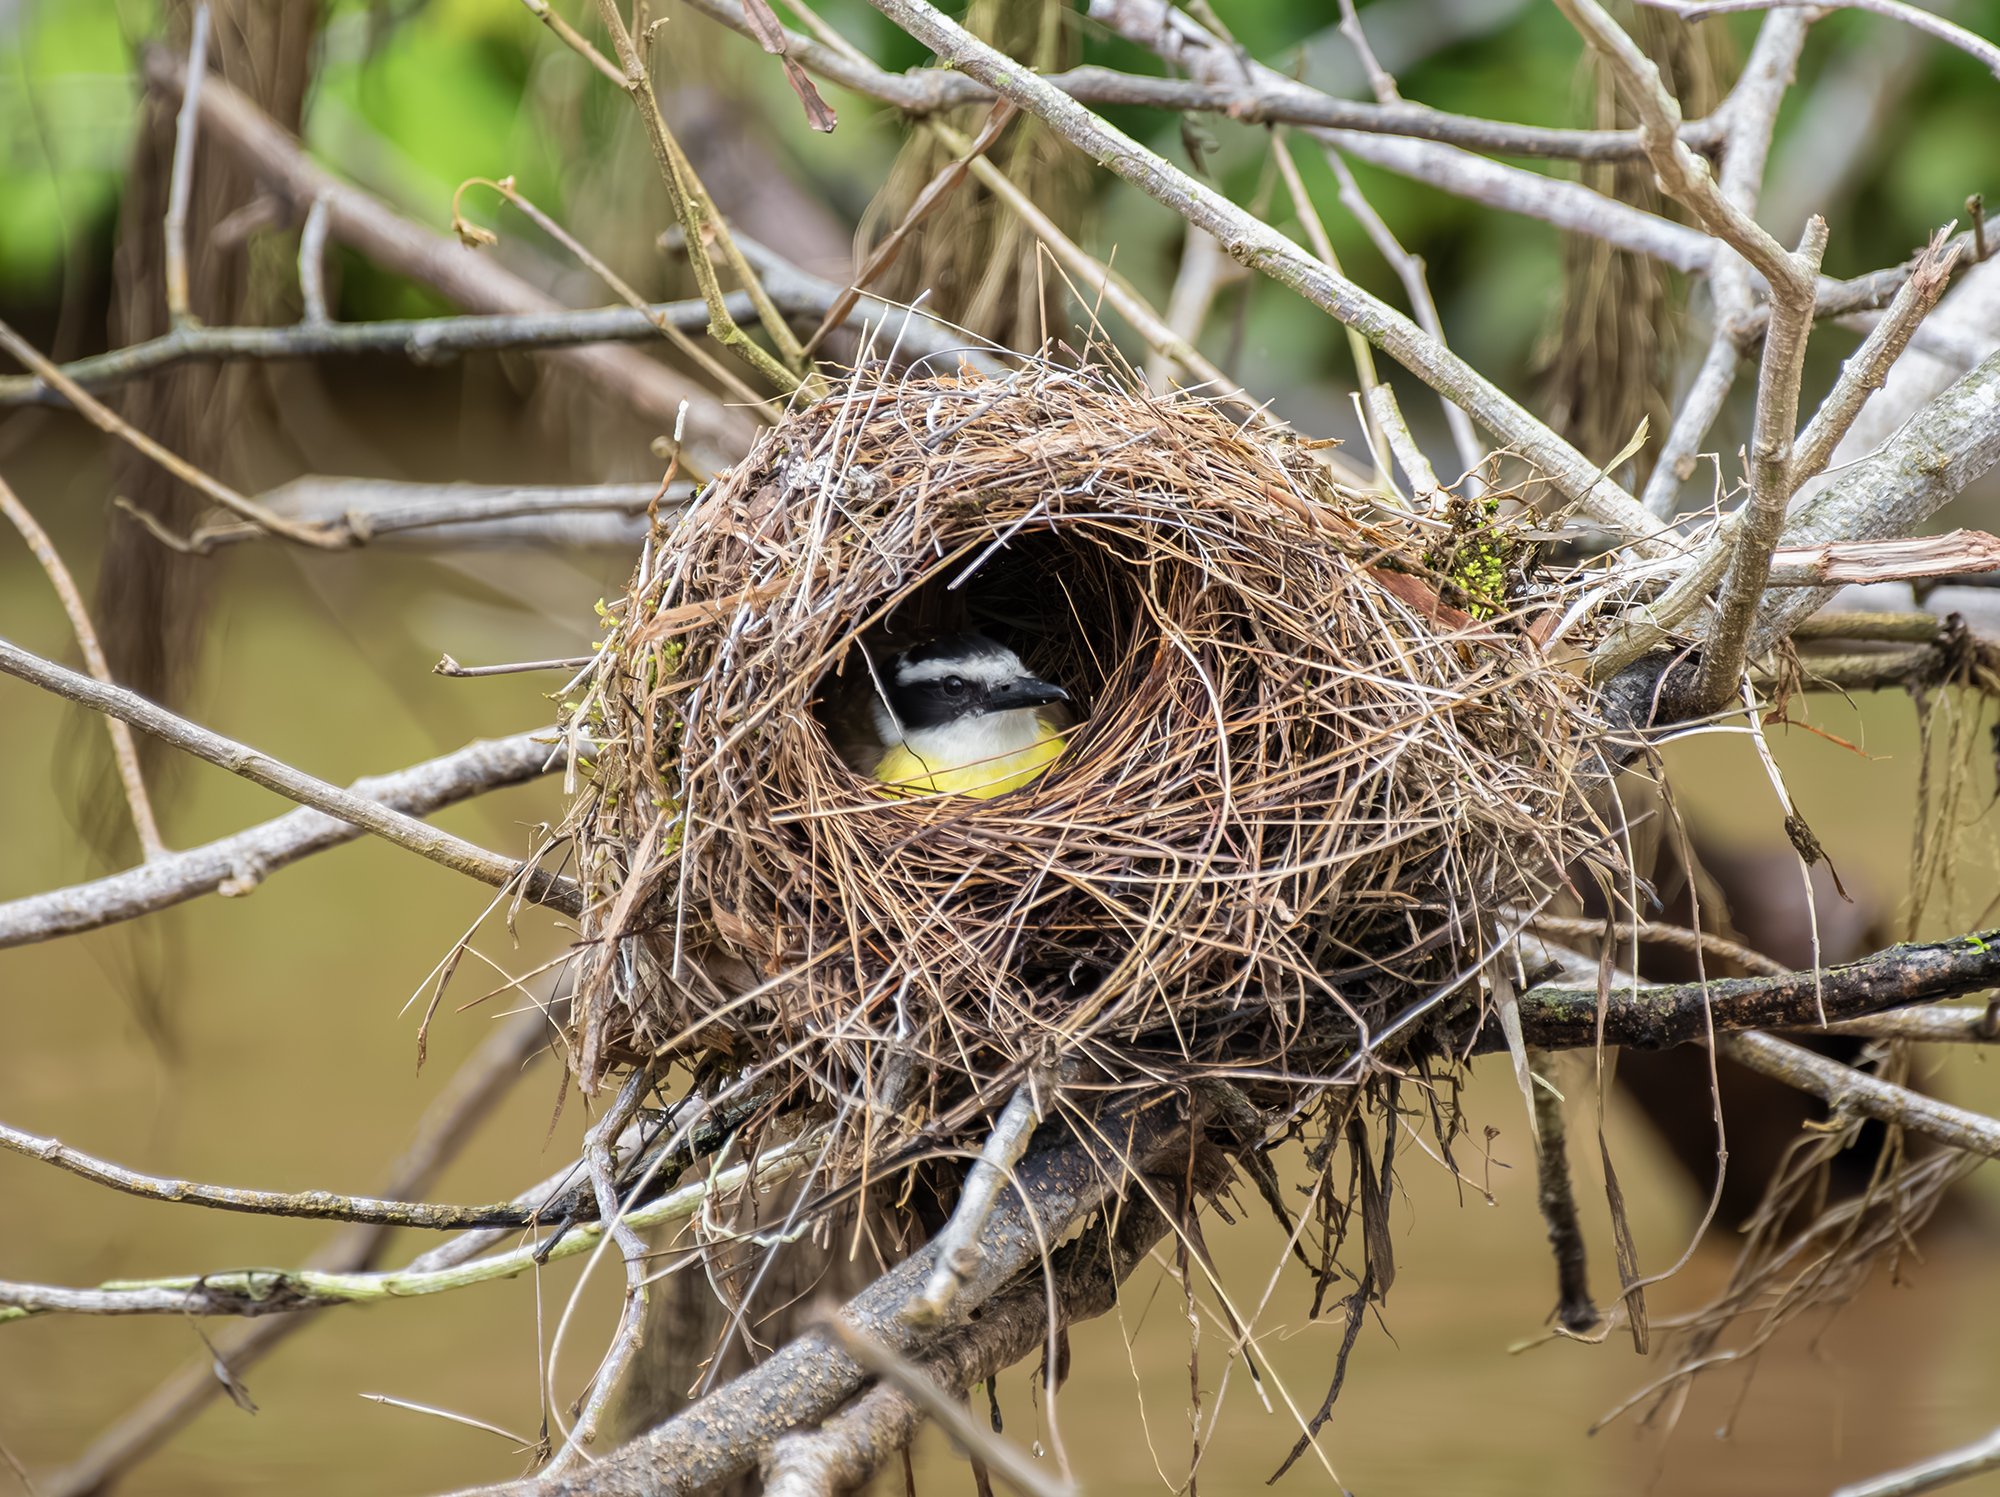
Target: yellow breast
902	773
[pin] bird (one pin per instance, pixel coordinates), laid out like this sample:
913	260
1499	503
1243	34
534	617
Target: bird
956	715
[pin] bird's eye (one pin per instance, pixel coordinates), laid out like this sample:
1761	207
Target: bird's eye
953	686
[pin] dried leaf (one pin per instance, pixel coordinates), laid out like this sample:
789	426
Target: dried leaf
819	113
764	26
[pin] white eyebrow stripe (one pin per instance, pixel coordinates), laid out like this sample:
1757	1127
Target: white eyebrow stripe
989	668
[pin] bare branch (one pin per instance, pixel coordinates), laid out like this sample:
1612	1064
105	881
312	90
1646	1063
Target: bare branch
311	1205
392	826
461	1105
1185	45
1965	1026
427	340
1751	115
235	865
1559	1017
803	1382
1773	477
272	1291
1263	249
123	751
1952	442
1409	270
1923	20
312	261
1928	1475
180	181
460	515
929	91
698	218
112	424
1844	1089
958	1243
1868	366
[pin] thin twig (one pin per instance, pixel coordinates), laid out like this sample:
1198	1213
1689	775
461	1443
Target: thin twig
1948	32
934	195
312	261
958	1243
923	92
1425	490
574	39
459	515
1264	249
1950	443
236	865
1006	1460
601	1163
232	124
699	221
1409	270
1963	1026
1751	115
1358	348
1379	80
1562	1016
112	424
123	750
1096	278
392	826
428	340
1868	366
713	367
1928	1475
180	184
1845	1089
270	1291
310	1205
452	1119
1773	477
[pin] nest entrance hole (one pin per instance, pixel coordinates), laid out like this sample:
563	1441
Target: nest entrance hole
1064	597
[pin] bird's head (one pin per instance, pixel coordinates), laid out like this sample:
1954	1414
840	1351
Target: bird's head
944	681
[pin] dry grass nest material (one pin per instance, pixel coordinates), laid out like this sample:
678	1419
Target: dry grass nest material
1303	790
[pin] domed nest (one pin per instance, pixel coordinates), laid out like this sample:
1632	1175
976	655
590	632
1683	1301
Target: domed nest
1319	755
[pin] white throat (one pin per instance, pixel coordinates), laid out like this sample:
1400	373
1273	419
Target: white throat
975	739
